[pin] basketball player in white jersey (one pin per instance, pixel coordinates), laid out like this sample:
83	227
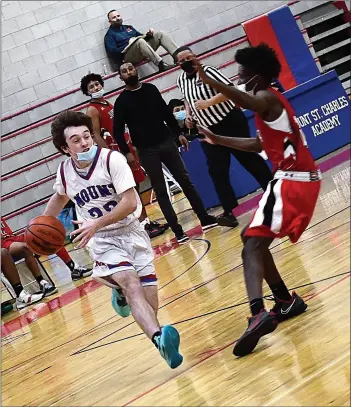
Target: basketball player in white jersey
101	184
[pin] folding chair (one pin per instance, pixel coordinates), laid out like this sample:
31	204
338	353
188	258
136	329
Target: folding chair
168	178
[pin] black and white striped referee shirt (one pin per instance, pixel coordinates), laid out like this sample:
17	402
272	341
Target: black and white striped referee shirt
193	89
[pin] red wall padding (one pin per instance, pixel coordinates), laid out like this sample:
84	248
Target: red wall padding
260	30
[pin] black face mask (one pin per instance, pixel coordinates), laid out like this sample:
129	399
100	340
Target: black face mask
188	67
132	80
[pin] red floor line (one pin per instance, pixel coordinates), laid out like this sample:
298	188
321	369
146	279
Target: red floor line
215	352
43	309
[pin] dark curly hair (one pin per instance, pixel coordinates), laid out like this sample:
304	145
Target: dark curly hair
260	60
90	78
68	118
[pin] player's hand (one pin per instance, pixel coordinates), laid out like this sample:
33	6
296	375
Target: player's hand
86	231
202	104
150	32
184	142
210	137
200	70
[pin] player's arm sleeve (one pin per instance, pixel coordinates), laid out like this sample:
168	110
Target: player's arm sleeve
215	74
121	174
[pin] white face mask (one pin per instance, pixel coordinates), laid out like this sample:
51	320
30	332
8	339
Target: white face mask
98	95
242	87
85	156
88	155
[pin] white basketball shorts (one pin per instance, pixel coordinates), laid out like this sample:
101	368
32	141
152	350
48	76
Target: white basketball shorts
125	248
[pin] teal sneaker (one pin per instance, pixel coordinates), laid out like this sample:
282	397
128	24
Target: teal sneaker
119	303
168	346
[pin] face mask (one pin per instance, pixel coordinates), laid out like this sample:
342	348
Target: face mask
132	80
187	66
88	155
97	95
242	87
181	115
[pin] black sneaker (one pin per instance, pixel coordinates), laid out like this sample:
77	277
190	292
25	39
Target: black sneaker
289	309
259	325
228	220
154	230
181	237
209	222
80	272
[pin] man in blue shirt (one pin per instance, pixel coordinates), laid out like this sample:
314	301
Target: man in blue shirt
123	43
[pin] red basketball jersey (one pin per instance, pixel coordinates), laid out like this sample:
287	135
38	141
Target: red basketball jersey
6	232
286	151
106	122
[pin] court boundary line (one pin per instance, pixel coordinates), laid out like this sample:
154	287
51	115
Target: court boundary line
85	285
206	358
197	286
266	297
125	326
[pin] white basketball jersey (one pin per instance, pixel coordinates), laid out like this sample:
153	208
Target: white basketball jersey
96	190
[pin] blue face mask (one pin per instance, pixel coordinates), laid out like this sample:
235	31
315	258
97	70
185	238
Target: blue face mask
88	155
181	115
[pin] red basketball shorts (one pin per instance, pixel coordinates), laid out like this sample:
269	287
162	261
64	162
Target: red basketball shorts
7	242
285	209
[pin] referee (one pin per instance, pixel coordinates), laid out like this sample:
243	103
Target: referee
214	111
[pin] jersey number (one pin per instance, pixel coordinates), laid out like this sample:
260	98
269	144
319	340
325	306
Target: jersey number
97	212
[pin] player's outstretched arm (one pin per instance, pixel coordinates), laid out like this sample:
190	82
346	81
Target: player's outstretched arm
259	103
245	144
55	205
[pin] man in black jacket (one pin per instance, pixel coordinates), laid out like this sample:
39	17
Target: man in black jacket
143	109
125	43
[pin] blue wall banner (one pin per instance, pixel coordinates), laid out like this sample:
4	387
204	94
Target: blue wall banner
293	45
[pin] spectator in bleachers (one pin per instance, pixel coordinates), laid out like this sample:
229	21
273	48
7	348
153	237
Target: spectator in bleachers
101	112
18	249
211	109
143	109
9	270
177	107
123	43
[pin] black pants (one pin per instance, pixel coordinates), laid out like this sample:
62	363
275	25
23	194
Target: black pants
168	154
218	159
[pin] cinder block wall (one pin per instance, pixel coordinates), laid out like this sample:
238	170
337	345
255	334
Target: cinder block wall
47	46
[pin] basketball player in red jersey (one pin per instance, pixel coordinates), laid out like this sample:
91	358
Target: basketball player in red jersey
287	205
101	113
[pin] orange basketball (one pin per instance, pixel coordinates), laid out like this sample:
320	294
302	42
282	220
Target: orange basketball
45	235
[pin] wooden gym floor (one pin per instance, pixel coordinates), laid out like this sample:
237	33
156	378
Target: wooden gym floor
73	350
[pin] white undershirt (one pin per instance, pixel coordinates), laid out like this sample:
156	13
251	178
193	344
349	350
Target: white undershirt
282	123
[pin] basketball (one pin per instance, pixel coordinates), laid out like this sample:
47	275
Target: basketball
45	235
